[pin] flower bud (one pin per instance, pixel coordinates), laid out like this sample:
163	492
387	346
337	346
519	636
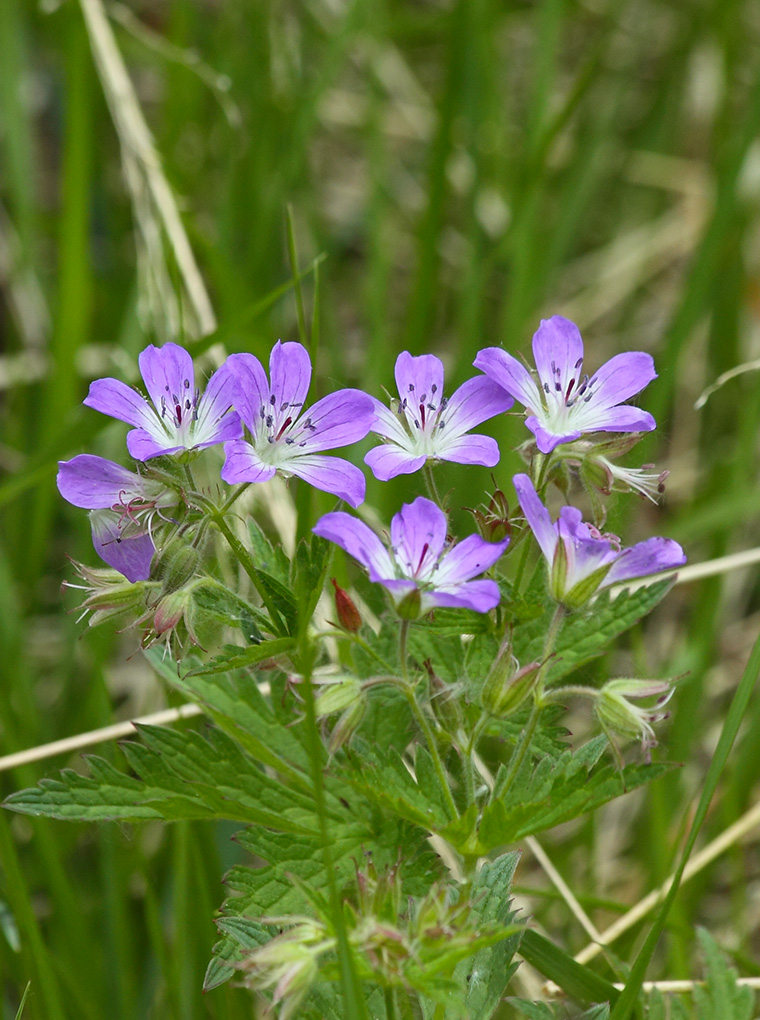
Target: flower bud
347	725
348	615
169	610
507	687
337	694
444	703
176	565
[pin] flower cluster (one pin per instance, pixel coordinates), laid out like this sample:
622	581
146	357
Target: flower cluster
267	428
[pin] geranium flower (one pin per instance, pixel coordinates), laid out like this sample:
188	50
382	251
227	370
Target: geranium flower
285	439
180	417
123	506
424	424
565	403
420	568
581	560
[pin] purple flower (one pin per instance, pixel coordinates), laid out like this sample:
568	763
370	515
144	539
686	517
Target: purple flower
424	424
123	506
565	403
285	439
181	417
419	562
581	560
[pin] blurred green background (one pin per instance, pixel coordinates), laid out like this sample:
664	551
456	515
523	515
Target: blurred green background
457	168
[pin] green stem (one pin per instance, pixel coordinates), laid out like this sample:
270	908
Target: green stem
526	737
236	494
350	987
521	566
244	558
518	755
390	1004
427	473
423	723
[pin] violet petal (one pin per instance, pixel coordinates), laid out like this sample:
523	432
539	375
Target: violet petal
419	379
474	402
418	533
510	374
243	464
290	375
558	353
622	377
250	388
545	440
336	420
472	450
649	557
95	483
330	474
388	460
142	445
168	374
216	422
129	553
115	398
468	558
481	596
358	540
536	515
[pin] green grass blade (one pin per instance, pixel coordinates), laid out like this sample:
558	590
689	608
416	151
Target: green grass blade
578	981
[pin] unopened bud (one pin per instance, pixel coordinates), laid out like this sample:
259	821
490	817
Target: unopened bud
337	694
169	610
444	703
348	615
506	687
347	725
176	565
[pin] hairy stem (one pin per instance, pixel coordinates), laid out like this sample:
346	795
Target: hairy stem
244	558
423	722
526	737
427	474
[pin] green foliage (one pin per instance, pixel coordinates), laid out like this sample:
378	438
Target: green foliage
552	792
588	633
721	998
490	971
182	775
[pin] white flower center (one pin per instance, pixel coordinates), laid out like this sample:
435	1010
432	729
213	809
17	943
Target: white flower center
422	417
564	405
179	412
281	435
